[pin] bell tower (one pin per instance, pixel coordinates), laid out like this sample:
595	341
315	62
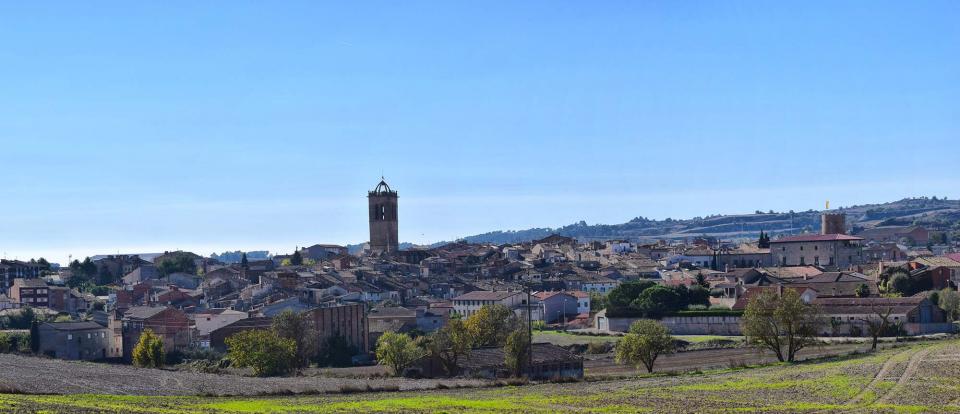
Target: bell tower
383	219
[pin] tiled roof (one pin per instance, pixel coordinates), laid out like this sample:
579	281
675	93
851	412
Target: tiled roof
816	238
868	305
75	326
486	295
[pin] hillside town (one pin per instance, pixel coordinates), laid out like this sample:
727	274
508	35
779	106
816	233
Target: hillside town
99	308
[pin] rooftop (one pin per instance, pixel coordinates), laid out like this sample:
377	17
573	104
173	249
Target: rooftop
816	238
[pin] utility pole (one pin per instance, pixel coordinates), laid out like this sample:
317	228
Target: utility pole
529	333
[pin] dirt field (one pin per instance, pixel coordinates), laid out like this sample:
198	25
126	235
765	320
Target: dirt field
602	365
920	377
41	375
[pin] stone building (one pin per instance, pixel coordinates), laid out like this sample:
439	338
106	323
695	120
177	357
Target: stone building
837	251
383	219
76	340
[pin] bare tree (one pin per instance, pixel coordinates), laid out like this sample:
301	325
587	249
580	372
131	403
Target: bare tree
783	323
876	326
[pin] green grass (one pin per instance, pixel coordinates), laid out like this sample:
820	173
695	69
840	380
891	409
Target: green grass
824	386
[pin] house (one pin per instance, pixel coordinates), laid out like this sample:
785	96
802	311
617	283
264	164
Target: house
33	292
598	284
13	269
838	251
321	252
392	319
210	320
83	340
558	307
141	273
549	362
64	299
583	301
838	284
914	235
170	324
218	337
433	318
916	314
469	303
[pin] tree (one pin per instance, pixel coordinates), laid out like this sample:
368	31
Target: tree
658	300
702	281
878	325
177	262
622	296
336	352
900	283
698	295
300	329
863	290
35	336
949	301
263	351
244	263
398	351
646	340
782	324
450	343
516	352
297	258
491	325
149	350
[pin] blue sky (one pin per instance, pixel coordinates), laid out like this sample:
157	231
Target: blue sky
150	126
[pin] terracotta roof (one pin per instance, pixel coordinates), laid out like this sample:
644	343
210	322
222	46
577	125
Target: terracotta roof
74	326
486	295
868	305
816	238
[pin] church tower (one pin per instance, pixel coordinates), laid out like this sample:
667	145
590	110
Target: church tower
383	219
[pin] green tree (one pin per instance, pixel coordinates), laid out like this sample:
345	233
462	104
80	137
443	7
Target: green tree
300	329
646	340
398	351
451	343
657	301
516	352
35	336
149	350
782	324
900	283
949	301
863	290
622	296
296	259
177	262
244	263
702	281
336	352
598	302
491	324
263	351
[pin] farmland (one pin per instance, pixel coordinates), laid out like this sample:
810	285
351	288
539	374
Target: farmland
920	377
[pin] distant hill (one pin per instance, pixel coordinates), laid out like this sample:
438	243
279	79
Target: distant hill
935	214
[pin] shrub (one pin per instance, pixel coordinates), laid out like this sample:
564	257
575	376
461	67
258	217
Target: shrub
263	351
149	351
398	351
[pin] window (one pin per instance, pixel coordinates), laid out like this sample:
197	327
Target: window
801	248
69	337
783	261
803	260
89	335
816	260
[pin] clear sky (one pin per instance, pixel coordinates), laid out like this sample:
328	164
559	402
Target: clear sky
206	126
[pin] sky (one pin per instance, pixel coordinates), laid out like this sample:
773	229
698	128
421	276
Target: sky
231	125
